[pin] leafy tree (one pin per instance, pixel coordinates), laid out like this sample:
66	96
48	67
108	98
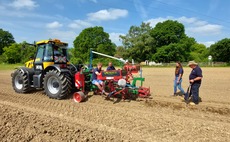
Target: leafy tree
92	38
169	53
220	51
168	32
6	39
199	53
174	51
139	43
186	44
18	53
27	51
120	52
171	41
12	53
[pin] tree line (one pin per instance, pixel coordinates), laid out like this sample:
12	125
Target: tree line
166	42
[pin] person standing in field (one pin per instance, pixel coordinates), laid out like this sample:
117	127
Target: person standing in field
178	78
195	78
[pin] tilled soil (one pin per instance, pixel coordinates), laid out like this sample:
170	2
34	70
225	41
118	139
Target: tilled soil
35	117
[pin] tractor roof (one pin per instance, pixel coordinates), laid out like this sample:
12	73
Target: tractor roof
55	41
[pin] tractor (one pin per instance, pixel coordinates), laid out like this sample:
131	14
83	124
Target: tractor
49	70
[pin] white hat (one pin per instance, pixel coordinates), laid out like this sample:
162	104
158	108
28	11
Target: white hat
191	63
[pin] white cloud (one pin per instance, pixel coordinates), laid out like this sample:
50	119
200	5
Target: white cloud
63	34
110	14
66	36
207	43
153	22
115	38
53	25
19	4
79	24
184	19
207	29
195	26
193	21
192	25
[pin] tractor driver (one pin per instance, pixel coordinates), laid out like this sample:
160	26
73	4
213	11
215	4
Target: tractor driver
56	52
100	84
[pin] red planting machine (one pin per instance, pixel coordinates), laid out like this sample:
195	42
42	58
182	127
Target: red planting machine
116	81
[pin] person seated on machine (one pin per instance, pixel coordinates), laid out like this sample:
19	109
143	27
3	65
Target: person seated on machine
129	78
110	67
99	83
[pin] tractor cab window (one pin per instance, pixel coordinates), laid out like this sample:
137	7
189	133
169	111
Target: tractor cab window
40	52
60	54
57	51
48	55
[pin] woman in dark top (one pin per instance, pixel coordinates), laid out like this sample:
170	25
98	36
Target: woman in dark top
178	78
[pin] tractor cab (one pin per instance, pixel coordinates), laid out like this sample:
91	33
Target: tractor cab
50	52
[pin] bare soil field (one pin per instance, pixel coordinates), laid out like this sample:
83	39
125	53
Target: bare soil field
35	117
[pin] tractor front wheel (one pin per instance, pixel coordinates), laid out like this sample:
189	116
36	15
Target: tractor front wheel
20	82
57	85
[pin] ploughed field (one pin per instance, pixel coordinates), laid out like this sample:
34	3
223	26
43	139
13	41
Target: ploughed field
35	117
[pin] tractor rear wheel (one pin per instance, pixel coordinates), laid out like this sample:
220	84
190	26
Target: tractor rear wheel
20	82
57	85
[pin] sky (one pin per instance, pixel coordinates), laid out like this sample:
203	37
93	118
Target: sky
207	21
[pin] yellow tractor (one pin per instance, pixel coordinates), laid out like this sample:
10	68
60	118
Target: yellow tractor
49	70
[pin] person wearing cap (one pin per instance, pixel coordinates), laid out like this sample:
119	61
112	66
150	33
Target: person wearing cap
195	78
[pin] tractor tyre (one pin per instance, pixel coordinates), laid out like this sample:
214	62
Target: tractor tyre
20	82
70	80
57	85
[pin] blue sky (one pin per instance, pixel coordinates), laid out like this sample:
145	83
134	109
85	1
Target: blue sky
207	21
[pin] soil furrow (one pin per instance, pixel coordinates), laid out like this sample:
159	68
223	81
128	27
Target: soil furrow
35	117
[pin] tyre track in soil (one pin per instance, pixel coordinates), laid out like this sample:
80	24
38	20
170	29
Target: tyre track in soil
208	106
175	98
134	120
66	118
69	112
53	110
21	125
153	103
45	107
